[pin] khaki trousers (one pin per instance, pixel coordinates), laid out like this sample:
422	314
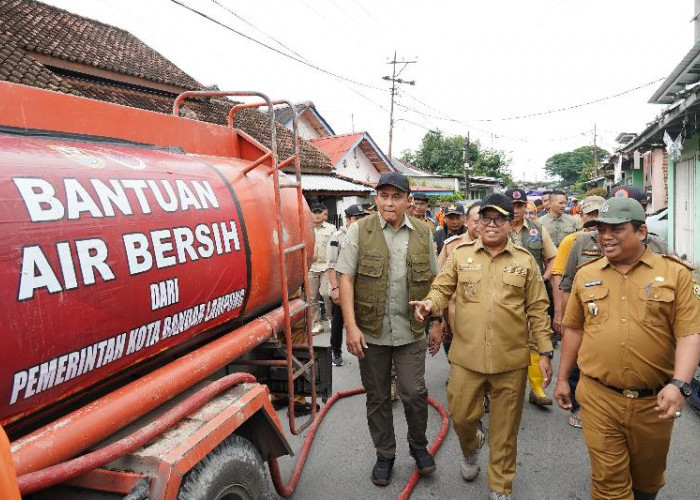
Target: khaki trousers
319	286
375	371
627	441
465	396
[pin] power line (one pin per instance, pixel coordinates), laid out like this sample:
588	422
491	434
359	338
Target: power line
575	106
269	47
238	16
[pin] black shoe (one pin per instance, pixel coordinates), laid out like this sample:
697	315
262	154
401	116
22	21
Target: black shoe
381	473
425	463
278	404
338	360
304	409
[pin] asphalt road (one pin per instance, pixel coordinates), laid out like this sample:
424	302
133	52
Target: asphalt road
552	458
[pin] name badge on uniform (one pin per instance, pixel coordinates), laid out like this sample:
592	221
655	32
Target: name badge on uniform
593	283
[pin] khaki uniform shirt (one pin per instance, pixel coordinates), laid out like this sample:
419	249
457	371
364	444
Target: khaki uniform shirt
429	222
631	321
322	234
396	327
450	244
586	248
334	244
497	298
560	226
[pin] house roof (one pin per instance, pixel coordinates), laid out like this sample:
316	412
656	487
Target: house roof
43	29
337	147
310	182
686	73
28	28
408	169
283	116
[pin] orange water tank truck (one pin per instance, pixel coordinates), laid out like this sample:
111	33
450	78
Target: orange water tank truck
142	255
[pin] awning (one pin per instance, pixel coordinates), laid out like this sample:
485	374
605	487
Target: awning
329	184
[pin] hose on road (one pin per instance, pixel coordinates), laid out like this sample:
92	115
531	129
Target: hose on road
286	490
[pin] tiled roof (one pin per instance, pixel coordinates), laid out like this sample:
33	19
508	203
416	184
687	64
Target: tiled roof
17	67
37	27
337	146
283	114
252	122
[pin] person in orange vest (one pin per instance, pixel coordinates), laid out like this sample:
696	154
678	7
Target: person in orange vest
8	480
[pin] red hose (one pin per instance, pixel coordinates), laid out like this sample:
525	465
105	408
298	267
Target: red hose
286	490
34	481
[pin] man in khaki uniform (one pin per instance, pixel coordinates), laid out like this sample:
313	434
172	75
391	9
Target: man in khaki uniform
633	324
387	260
556	221
318	280
534	238
448	315
420	208
501	302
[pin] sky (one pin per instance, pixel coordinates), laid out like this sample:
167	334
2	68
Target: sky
478	62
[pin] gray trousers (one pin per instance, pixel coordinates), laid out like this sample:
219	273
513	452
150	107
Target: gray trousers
375	371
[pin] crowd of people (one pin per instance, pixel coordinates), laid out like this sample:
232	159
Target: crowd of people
498	286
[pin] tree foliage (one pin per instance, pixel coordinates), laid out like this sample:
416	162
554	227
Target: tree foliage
444	155
574	166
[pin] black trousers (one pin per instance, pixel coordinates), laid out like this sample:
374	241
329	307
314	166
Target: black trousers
337	330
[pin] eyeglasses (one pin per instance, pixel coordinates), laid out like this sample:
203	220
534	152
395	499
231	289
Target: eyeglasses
499	220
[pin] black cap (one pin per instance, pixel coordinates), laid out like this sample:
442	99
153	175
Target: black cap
517	195
454	208
628	192
317	207
399	181
370	206
355	211
420	196
499	202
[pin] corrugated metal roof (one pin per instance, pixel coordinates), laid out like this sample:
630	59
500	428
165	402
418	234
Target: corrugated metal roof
311	182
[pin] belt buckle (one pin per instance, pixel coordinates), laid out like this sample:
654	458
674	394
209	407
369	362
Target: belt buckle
630	394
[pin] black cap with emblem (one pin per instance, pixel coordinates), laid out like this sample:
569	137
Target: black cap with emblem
399	181
454	208
517	195
499	202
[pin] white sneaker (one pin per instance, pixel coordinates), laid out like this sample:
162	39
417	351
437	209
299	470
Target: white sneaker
470	464
495	495
316	329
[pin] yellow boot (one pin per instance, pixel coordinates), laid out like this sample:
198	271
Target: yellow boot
534	376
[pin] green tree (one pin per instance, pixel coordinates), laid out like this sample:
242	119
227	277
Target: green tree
444	155
574	166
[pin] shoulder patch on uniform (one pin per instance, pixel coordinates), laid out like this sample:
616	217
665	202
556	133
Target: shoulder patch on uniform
452	238
679	261
464	243
589	262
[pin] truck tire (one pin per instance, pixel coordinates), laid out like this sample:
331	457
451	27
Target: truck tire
231	471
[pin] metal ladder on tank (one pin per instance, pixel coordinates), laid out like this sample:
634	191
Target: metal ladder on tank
295	367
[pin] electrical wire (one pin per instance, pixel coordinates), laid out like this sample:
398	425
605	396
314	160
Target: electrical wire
274	49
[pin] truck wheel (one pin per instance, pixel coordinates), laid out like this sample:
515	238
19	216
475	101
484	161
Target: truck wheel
231	471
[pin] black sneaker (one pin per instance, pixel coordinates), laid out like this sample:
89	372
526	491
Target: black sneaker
425	463
338	360
381	473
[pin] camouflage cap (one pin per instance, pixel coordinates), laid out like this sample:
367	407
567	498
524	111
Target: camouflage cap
591	204
620	210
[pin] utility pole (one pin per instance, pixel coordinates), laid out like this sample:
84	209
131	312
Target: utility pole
595	152
465	158
394	80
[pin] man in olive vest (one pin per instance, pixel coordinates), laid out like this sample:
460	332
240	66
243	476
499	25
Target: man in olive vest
534	238
387	260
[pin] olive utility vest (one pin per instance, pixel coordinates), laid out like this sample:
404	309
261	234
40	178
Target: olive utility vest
372	278
531	240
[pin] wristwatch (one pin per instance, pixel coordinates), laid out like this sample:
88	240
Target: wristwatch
549	354
684	387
